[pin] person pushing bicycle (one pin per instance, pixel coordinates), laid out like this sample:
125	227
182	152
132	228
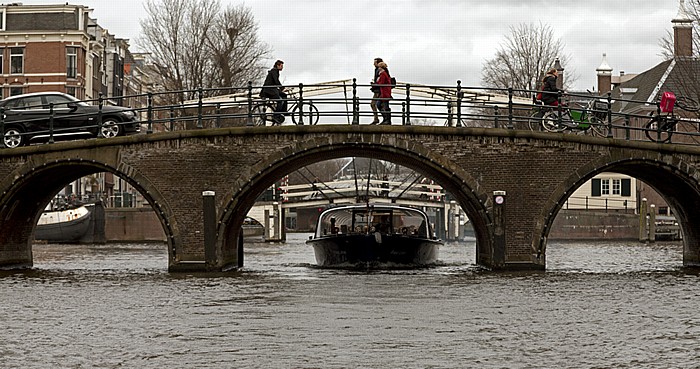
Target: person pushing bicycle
549	93
273	90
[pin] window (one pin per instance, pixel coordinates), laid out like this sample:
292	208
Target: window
71	62
620	187
2	19
605	187
14	91
2	65
616	186
16	60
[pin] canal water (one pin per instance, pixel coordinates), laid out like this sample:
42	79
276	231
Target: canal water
598	305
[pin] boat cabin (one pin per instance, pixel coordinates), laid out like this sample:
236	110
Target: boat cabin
362	219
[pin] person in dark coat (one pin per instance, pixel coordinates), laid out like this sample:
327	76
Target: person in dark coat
549	88
375	90
273	90
384	82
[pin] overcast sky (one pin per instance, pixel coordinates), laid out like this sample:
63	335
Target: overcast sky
432	41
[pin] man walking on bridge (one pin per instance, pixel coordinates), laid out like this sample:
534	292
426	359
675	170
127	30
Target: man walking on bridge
273	90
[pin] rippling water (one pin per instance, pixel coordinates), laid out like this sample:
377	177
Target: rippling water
599	305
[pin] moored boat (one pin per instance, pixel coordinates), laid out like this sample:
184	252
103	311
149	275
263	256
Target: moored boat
64	226
372	234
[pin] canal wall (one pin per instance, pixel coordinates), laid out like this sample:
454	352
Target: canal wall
592	225
132	225
142	225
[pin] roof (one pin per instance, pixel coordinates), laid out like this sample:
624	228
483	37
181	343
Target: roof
677	75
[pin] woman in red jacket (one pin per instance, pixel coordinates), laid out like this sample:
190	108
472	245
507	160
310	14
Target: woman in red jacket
384	82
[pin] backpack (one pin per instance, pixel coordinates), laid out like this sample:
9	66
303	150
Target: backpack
539	94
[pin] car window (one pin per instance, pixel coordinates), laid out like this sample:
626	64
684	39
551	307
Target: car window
30	102
57	100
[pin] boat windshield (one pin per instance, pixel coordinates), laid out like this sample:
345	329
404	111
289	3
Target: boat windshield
401	221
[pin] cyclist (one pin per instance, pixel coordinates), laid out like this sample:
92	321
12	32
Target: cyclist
272	89
550	93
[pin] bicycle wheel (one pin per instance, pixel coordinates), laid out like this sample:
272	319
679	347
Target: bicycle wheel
597	127
550	122
687	103
534	121
658	133
262	115
310	115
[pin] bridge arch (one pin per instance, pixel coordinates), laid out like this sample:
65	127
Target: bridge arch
674	179
30	188
409	154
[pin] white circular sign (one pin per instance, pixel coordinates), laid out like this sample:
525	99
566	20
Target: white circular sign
499	200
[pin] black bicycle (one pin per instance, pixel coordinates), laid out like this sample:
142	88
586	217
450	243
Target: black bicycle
264	112
660	127
588	118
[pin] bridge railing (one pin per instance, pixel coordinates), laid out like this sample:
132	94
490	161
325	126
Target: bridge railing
347	102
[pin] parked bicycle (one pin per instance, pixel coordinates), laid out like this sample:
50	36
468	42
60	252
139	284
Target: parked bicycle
264	112
662	124
588	118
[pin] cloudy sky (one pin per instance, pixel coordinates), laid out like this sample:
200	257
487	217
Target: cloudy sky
432	41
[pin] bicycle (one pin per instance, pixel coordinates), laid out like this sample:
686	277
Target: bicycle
264	112
660	127
589	118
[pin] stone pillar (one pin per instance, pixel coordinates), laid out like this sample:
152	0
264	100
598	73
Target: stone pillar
652	223
643	220
209	210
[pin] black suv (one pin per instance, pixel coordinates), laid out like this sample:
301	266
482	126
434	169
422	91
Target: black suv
26	119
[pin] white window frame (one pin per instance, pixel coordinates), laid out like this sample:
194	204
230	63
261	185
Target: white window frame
605	187
617	186
72	61
16	55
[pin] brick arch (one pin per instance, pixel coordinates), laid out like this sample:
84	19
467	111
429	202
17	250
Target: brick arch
674	179
29	188
409	154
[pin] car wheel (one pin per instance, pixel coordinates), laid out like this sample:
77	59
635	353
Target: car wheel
110	128
13	138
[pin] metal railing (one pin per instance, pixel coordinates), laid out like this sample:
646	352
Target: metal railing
347	102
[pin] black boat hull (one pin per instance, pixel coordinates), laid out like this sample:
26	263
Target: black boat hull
348	250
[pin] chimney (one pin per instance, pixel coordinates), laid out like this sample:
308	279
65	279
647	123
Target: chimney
682	33
560	72
604	73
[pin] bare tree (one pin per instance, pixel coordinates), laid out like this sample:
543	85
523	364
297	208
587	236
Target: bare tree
196	44
523	58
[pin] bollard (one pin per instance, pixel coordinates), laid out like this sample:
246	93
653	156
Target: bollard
209	212
249	121
652	223
51	116
459	103
499	231
355	103
643	220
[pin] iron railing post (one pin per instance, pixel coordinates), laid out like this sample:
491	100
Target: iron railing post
408	105
510	107
51	117
559	117
2	126
496	113
100	103
450	117
627	127
149	113
218	115
249	120
403	113
199	108
171	117
355	103
459	104
610	132
301	104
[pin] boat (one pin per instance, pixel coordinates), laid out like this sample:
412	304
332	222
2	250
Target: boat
65	225
374	235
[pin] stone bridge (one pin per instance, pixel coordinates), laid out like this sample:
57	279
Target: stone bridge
536	171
